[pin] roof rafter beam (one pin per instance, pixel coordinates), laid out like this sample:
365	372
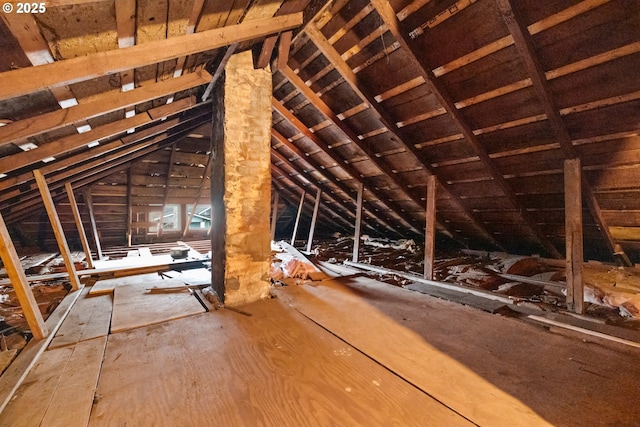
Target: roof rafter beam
337	214
59	73
325	189
328	176
387	14
345	166
350	78
81	170
524	45
103	104
99	169
321	106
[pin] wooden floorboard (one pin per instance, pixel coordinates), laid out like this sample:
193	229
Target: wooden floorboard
89	318
403	351
134	306
72	402
274	368
494	369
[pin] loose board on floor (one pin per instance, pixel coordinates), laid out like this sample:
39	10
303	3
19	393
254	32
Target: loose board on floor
135	306
59	390
107	286
89	318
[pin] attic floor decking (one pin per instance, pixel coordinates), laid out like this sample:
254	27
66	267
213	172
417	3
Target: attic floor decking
348	352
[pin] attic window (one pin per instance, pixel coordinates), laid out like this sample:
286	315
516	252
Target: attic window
170	219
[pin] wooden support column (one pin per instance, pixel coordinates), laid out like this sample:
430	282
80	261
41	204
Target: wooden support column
295	227
21	284
88	200
430	230
57	229
78	220
313	219
356	233
274	214
241	182
129	207
573	234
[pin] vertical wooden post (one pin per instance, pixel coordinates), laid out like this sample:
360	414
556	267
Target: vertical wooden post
78	220
88	200
129	208
274	215
573	234
313	219
430	230
356	234
21	284
57	229
295	227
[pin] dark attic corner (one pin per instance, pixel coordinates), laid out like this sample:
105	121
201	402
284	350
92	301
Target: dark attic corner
317	213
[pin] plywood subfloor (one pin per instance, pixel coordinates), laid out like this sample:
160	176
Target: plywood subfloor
493	369
275	368
59	390
134	306
89	318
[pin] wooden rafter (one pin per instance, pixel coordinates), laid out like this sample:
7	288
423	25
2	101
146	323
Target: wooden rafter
59	73
321	106
437	88
524	45
302	128
102	104
88	172
324	176
338	217
319	185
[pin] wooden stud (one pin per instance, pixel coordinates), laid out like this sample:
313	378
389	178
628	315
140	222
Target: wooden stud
31	79
57	229
316	207
78	221
573	234
129	207
88	200
283	49
274	214
430	230
356	234
219	69
166	190
21	284
295	227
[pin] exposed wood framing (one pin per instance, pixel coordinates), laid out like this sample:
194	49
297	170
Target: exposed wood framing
314	218
88	201
274	214
524	44
299	214
32	79
323	177
358	226
205	178
438	89
78	220
50	207
166	190
101	105
345	71
573	233
219	70
126	27
129	208
301	127
430	232
283	49
20	284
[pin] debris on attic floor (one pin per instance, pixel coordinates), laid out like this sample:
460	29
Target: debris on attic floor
612	291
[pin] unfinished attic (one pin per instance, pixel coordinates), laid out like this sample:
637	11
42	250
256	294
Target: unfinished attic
314	213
